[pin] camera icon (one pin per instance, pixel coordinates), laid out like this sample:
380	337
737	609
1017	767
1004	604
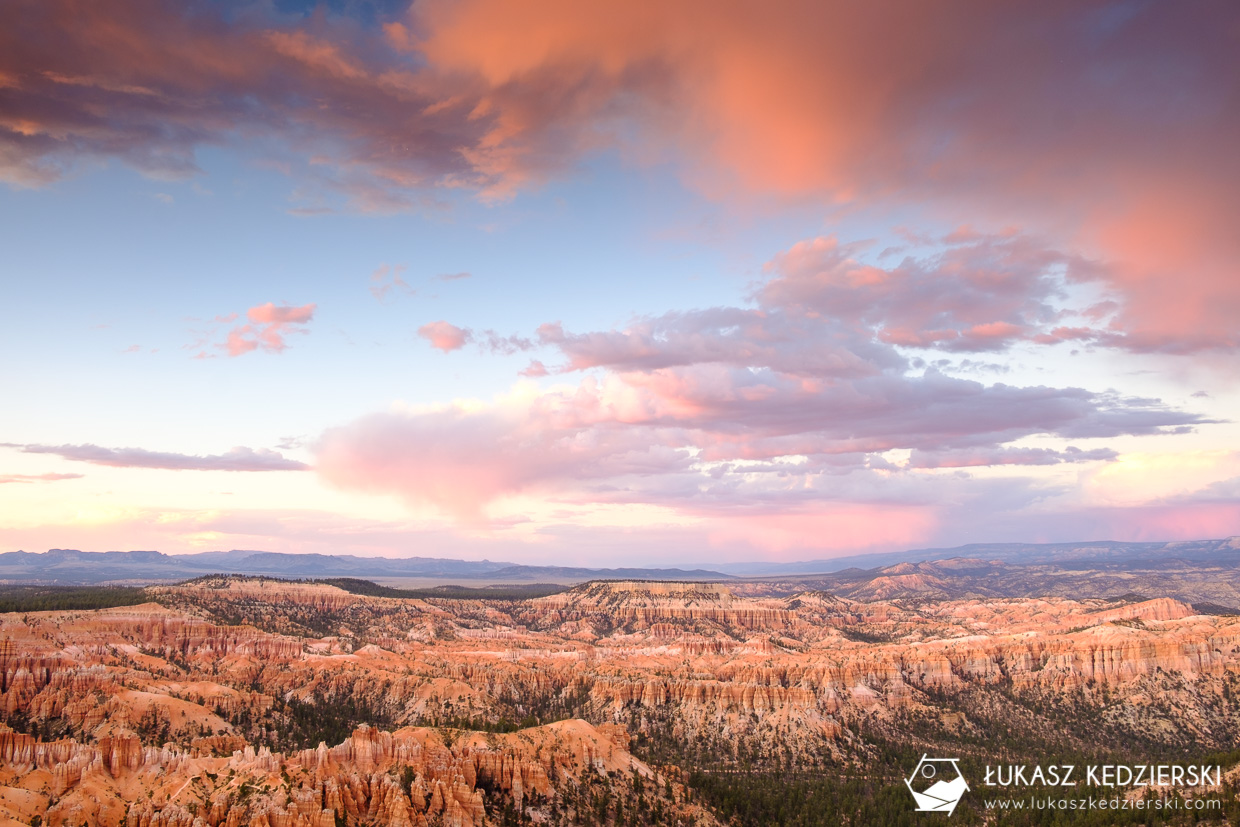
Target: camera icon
937	784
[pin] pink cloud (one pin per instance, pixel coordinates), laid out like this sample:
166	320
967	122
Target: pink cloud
236	344
28	478
445	336
460	459
1176	270
268	326
270	314
534	370
238	459
709	436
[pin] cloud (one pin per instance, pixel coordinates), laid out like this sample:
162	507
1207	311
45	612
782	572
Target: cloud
460	459
1113	133
1007	455
387	279
534	370
713	436
781	408
445	336
266	329
1115	138
785	406
1179	478
452	276
238	459
975	293
788	342
506	345
822	311
270	314
28	478
150	84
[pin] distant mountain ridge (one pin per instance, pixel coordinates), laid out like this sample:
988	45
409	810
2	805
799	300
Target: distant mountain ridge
73	567
1095	552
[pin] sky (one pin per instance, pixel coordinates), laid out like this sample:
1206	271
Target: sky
617	283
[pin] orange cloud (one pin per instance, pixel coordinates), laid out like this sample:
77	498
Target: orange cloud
1109	127
1179	268
1112	127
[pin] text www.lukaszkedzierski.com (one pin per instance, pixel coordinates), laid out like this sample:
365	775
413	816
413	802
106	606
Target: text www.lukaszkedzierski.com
1090	803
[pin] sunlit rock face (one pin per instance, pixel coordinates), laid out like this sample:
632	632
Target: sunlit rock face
246	702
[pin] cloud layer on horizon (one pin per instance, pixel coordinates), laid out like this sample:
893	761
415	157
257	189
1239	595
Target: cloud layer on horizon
29	478
238	459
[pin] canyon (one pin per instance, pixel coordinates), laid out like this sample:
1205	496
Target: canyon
230	700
